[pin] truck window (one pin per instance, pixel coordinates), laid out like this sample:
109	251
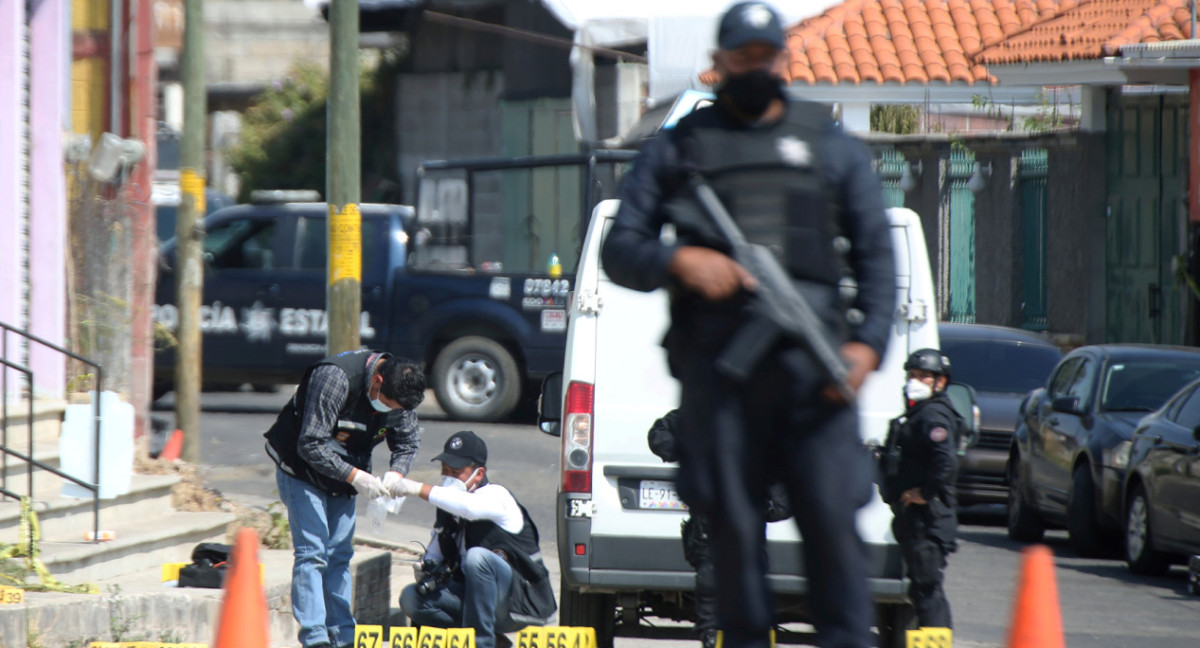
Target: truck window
245	244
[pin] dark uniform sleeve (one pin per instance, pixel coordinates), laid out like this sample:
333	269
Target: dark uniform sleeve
403	438
871	255
664	435
937	430
633	255
328	389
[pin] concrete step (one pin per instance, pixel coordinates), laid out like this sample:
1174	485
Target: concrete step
168	536
145	610
69	518
14	422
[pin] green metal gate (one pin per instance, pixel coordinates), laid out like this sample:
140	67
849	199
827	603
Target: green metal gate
956	269
891	169
1032	170
1147	136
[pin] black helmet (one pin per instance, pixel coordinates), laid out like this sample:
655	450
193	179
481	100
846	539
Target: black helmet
930	360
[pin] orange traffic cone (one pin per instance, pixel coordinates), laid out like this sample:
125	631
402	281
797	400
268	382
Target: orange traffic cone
243	622
1036	619
173	448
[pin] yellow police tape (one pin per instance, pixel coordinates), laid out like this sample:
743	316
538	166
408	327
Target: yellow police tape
374	636
29	537
929	638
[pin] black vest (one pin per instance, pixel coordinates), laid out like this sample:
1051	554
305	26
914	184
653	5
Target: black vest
771	181
359	428
916	457
531	596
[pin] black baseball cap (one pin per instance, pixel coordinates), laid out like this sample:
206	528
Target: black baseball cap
463	449
750	22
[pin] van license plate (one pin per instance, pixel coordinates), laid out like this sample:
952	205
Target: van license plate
654	494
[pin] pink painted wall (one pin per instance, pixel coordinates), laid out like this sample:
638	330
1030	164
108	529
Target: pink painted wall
12	17
49	72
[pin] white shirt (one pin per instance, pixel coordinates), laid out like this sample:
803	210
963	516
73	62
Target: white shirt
490	502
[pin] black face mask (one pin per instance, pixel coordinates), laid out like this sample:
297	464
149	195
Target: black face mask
749	94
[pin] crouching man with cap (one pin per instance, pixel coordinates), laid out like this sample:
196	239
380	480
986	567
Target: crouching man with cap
487	546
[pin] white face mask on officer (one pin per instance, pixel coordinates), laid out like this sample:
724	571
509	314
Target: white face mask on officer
916	391
450	481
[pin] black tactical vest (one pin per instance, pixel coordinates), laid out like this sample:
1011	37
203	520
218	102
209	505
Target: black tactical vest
915	461
531	596
771	181
359	428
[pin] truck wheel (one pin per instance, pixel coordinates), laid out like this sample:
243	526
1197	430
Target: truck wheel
894	623
598	611
1140	553
1023	524
476	379
1083	532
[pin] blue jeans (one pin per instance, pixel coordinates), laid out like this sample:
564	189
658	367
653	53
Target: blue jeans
323	537
478	601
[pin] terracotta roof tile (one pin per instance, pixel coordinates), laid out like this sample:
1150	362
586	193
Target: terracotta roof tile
1090	29
951	41
898	41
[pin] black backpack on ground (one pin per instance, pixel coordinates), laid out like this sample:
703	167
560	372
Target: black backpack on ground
209	560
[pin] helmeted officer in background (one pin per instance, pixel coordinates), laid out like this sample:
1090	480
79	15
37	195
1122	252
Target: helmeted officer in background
793	181
920	467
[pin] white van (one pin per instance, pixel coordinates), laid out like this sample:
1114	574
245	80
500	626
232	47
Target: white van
618	517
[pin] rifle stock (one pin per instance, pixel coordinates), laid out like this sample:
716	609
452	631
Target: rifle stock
779	309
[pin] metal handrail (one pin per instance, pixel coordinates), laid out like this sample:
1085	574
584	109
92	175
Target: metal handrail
5	329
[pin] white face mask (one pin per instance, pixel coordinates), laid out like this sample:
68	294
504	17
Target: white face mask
915	390
379	406
450	481
376	403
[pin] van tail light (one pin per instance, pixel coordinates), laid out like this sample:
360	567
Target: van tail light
577	439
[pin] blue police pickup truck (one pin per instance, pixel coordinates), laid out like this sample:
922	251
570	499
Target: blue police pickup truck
474	281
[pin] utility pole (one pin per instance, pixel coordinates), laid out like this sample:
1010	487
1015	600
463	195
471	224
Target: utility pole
189	265
343	170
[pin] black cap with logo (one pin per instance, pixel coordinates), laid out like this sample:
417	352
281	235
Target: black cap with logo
750	22
463	449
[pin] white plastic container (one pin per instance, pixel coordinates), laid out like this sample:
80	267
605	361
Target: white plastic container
77	446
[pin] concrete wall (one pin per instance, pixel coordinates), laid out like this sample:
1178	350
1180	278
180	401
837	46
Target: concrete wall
1076	245
445	116
255	41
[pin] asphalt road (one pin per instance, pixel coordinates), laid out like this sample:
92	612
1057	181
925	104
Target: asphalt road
1102	604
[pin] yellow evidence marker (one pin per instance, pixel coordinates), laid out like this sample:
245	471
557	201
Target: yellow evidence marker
929	638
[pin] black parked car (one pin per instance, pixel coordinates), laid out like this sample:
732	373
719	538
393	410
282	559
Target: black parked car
1162	489
1071	449
1003	365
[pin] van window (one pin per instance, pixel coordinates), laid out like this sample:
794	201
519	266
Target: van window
244	244
312	242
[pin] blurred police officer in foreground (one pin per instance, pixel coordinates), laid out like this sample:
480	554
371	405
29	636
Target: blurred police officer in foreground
664	439
797	184
920	466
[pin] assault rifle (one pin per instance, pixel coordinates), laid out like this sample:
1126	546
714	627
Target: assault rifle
778	309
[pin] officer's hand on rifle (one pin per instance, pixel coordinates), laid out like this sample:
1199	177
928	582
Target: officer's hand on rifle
862	360
712	274
912	496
